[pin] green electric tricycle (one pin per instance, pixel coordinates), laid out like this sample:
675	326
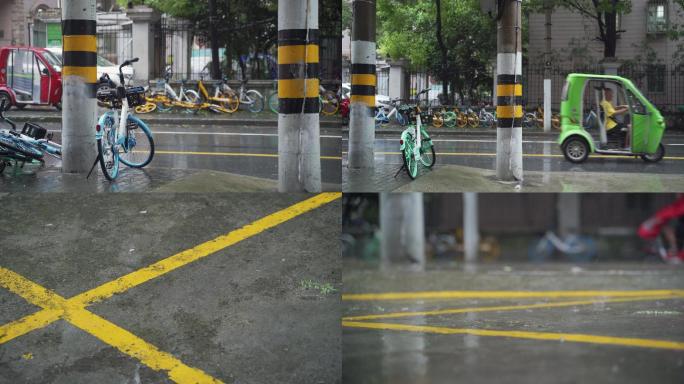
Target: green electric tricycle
584	123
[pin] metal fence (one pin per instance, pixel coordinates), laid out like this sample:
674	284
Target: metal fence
114	37
662	84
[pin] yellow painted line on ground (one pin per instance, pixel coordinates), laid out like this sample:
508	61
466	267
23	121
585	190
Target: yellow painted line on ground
104	330
557	304
29	323
506	294
73	310
524	155
275	155
178	260
136	347
563	337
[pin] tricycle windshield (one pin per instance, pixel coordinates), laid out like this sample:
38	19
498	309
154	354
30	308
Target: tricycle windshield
564	94
53	60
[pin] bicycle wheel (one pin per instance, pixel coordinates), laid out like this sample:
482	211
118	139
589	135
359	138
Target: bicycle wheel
109	159
273	102
541	250
330	103
427	150
409	159
137	149
256	104
20	147
461	120
473	120
146	108
437	120
232	104
450	119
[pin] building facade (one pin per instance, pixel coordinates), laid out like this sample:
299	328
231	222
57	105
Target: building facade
646	54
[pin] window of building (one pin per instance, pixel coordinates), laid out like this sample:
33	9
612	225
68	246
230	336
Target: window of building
655	77
656	16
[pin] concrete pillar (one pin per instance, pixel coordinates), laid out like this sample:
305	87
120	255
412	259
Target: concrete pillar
547	67
144	45
397	79
363	82
299	160
79	82
509	160
402	225
471	232
569	213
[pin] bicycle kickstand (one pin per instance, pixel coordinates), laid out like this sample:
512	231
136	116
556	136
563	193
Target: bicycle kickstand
403	166
97	158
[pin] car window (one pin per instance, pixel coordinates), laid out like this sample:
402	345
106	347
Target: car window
636	105
41	67
102	62
53	59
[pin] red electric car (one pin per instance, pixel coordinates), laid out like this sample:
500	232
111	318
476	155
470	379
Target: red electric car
30	76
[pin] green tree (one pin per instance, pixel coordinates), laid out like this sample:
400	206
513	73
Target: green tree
407	29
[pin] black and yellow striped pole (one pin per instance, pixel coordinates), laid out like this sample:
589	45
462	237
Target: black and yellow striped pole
299	162
509	110
79	81
363	83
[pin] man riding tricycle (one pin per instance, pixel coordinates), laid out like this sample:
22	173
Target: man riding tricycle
608	115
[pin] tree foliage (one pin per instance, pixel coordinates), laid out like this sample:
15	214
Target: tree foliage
406	29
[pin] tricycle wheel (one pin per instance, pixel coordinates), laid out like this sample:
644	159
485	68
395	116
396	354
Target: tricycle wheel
4	96
20	106
576	149
655	157
59	106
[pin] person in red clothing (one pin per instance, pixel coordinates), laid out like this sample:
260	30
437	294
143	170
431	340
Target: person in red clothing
673	234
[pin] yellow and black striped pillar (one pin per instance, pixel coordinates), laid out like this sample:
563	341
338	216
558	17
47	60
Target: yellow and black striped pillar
509	109
363	83
79	82
299	163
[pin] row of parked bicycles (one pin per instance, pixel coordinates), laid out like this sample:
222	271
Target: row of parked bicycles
221	98
454	116
121	137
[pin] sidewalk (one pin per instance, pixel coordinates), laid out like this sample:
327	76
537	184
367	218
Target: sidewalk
162	180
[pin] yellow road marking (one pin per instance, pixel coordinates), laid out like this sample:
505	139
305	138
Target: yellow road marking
507	294
178	260
28	323
104	330
564	337
395	315
524	155
136	347
233	154
73	310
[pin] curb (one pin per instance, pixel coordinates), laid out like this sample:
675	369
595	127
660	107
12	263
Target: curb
483	132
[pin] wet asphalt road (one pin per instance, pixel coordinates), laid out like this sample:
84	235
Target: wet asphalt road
242	314
416	349
243	150
540	155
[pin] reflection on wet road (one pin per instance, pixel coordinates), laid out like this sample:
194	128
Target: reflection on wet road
539	155
249	151
555	323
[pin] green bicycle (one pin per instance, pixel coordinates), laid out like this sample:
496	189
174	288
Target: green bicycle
416	148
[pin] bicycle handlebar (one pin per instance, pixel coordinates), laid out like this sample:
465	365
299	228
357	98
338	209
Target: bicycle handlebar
124	64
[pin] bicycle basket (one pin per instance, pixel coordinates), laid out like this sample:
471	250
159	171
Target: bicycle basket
135	96
108	96
34	130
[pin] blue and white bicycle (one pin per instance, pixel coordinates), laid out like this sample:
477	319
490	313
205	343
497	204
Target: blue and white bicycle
121	136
